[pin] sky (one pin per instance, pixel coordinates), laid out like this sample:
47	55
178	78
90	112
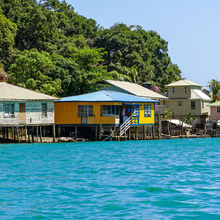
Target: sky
191	27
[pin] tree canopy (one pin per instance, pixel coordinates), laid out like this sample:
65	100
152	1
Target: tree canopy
48	47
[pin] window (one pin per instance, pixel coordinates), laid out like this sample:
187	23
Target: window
108	110
9	110
179	103
193	105
85	110
218	109
44	110
147	110
185	89
173	90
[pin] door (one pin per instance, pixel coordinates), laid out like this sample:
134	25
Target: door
135	115
22	115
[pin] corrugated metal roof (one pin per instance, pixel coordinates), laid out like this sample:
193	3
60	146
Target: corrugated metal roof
217	103
179	123
136	89
106	96
9	92
183	83
198	94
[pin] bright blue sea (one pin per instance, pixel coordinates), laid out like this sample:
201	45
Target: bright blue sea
167	179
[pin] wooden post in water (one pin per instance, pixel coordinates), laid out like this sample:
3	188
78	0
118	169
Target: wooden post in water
36	134
136	133
25	128
3	134
41	134
58	132
32	133
159	129
129	134
28	133
44	131
96	133
54	132
18	135
153	132
7	133
145	132
14	133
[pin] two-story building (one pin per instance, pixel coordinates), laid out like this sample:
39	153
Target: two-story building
186	97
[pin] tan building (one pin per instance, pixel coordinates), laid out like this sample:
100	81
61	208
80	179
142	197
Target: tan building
186	97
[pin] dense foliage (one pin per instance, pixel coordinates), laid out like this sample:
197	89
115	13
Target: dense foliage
46	46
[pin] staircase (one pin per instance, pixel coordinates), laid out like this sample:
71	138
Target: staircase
125	126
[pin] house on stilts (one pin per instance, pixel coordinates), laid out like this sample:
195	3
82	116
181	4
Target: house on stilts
25	114
105	115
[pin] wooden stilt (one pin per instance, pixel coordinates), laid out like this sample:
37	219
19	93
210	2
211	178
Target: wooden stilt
21	132
25	128
41	134
58	131
159	129
76	132
7	133
32	133
3	134
129	134
152	131
136	133
14	133
96	133
28	130
36	134
18	135
54	133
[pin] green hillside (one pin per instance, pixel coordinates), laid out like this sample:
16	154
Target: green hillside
46	46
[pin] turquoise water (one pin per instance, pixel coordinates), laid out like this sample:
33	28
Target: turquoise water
178	179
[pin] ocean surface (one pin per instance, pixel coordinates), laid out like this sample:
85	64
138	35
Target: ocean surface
167	179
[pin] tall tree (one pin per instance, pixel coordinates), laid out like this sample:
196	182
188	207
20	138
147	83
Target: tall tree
134	47
7	35
35	70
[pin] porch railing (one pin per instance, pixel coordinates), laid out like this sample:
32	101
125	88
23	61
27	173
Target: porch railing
125	126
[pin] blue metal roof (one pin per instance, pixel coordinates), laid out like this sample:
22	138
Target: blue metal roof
106	96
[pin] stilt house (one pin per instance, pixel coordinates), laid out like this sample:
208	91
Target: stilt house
20	106
104	110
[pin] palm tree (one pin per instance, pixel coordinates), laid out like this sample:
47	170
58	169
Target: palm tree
189	119
214	87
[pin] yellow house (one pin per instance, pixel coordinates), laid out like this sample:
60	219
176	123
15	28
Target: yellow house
105	108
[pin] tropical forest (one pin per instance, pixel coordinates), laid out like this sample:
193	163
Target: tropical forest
47	46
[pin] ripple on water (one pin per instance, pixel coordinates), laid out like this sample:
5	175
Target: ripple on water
131	179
